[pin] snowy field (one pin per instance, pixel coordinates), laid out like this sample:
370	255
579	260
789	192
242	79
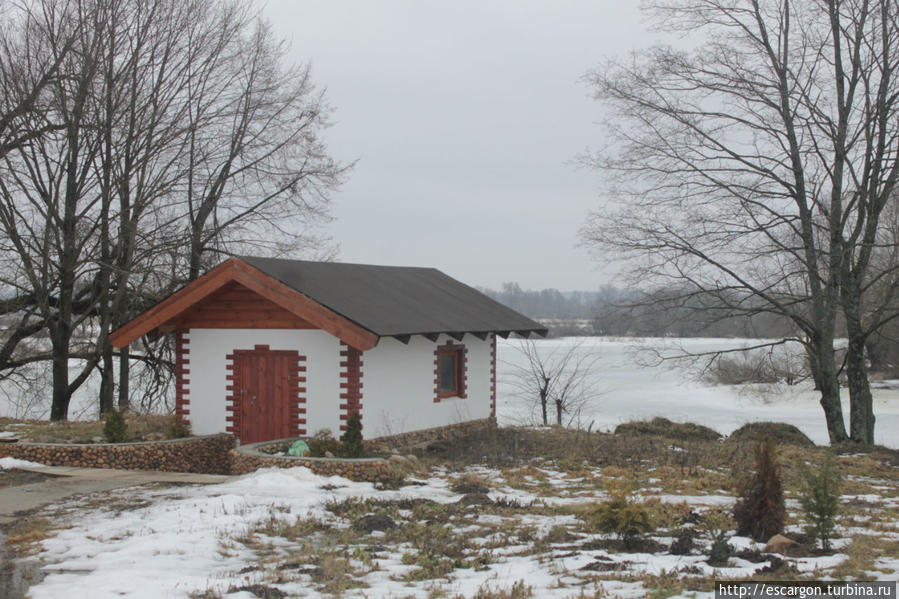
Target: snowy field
634	386
290	533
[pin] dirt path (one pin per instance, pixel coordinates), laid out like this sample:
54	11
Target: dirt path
16	576
78	481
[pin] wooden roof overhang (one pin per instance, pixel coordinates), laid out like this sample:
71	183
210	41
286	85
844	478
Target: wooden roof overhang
234	270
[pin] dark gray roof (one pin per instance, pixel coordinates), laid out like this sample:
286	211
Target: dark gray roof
396	300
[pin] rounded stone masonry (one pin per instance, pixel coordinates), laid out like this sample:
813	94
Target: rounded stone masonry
207	454
251	457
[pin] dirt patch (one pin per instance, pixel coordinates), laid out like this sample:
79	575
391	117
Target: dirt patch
15	478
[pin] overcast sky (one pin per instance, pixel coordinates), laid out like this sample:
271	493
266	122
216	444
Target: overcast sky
465	118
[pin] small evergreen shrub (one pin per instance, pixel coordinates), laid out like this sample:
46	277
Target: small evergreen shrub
720	550
820	499
622	517
760	511
115	429
716	523
177	428
321	442
351	440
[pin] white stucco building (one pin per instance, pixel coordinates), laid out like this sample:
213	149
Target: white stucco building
269	349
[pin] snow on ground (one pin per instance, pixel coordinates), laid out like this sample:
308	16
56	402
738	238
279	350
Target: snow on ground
180	542
11	463
633	389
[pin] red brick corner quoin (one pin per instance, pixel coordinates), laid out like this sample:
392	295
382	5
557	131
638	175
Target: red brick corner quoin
182	375
350	383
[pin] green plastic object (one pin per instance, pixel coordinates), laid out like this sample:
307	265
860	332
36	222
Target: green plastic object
299	449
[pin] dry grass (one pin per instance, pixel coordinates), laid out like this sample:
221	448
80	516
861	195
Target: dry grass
141	427
24	536
863	551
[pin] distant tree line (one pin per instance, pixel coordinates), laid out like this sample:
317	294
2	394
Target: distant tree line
612	311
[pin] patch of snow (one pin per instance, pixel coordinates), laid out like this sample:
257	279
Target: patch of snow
11	463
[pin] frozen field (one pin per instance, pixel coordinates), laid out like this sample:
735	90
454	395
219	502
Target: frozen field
631	388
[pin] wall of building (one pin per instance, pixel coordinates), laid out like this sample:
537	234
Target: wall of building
398	386
206	388
397	380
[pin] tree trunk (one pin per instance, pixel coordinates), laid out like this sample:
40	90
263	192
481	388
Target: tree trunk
861	402
558	412
124	368
830	392
107	380
59	409
543	400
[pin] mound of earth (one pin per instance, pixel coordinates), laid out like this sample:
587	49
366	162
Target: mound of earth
780	432
662	427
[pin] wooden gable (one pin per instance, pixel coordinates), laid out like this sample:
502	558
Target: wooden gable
236	307
237	295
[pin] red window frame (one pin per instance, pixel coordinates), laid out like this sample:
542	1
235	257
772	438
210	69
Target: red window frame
458	353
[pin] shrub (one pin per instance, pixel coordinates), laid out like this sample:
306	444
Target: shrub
721	550
758	368
115	430
351	441
716	524
323	441
760	511
177	428
783	433
820	499
662	427
622	517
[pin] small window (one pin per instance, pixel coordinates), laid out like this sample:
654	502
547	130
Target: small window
449	371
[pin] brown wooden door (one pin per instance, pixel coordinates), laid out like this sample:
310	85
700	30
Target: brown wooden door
263	392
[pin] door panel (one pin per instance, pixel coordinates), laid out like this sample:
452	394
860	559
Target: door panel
262	378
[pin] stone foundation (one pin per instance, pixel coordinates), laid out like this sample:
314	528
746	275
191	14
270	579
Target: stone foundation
249	458
216	454
428	435
205	455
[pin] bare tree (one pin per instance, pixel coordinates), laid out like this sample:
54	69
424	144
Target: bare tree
258	173
752	171
168	132
554	377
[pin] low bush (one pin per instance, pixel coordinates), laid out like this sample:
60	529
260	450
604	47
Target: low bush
760	511
757	368
322	442
115	430
177	428
781	432
351	440
622	517
820	500
662	427
716	524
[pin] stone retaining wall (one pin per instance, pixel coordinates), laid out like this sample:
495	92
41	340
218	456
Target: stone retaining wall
216	454
248	458
428	435
208	454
